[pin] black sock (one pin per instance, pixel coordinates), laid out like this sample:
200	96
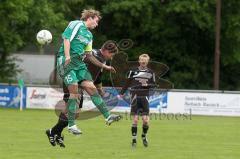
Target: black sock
134	131
61	124
144	130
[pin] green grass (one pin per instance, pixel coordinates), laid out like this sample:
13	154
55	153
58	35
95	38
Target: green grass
23	136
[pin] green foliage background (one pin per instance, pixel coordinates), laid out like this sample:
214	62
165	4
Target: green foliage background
180	34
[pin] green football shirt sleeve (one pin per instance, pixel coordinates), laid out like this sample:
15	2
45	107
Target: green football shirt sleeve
71	30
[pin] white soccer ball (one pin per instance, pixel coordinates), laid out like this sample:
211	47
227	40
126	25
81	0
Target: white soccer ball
44	37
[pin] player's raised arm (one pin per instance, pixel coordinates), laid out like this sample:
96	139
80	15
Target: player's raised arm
93	60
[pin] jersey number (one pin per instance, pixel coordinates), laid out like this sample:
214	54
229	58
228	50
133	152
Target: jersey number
69	78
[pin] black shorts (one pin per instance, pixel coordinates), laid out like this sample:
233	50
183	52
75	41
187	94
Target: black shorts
67	95
140	105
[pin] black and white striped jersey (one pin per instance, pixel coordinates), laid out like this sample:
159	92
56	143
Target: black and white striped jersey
140	81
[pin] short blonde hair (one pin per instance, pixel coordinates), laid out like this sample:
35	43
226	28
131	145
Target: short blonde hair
144	56
90	13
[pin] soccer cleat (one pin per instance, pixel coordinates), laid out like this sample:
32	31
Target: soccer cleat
134	143
59	141
145	141
74	130
113	118
51	137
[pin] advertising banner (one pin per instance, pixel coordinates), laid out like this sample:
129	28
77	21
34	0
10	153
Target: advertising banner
43	98
10	96
157	101
204	103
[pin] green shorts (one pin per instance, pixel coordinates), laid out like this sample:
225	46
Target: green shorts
73	72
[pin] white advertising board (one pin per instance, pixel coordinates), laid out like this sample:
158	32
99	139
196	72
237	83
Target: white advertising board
204	103
195	103
43	98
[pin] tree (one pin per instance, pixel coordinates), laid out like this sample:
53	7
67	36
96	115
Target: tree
20	21
178	33
172	33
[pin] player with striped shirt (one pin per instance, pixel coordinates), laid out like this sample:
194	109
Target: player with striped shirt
140	80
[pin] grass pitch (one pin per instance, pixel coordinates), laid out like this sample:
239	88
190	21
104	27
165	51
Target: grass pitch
23	136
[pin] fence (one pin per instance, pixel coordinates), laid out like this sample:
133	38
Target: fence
196	102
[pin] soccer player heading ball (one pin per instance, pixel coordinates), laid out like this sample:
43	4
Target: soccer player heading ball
77	43
107	51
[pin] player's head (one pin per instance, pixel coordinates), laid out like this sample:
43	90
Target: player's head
143	60
109	49
91	18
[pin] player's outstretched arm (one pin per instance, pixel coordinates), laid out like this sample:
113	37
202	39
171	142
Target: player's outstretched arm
93	60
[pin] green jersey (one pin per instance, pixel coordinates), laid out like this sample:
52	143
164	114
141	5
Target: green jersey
79	36
80	41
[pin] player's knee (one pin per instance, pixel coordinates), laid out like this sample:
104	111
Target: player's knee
91	89
87	83
135	120
145	121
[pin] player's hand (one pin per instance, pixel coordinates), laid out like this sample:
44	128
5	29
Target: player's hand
110	68
67	61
